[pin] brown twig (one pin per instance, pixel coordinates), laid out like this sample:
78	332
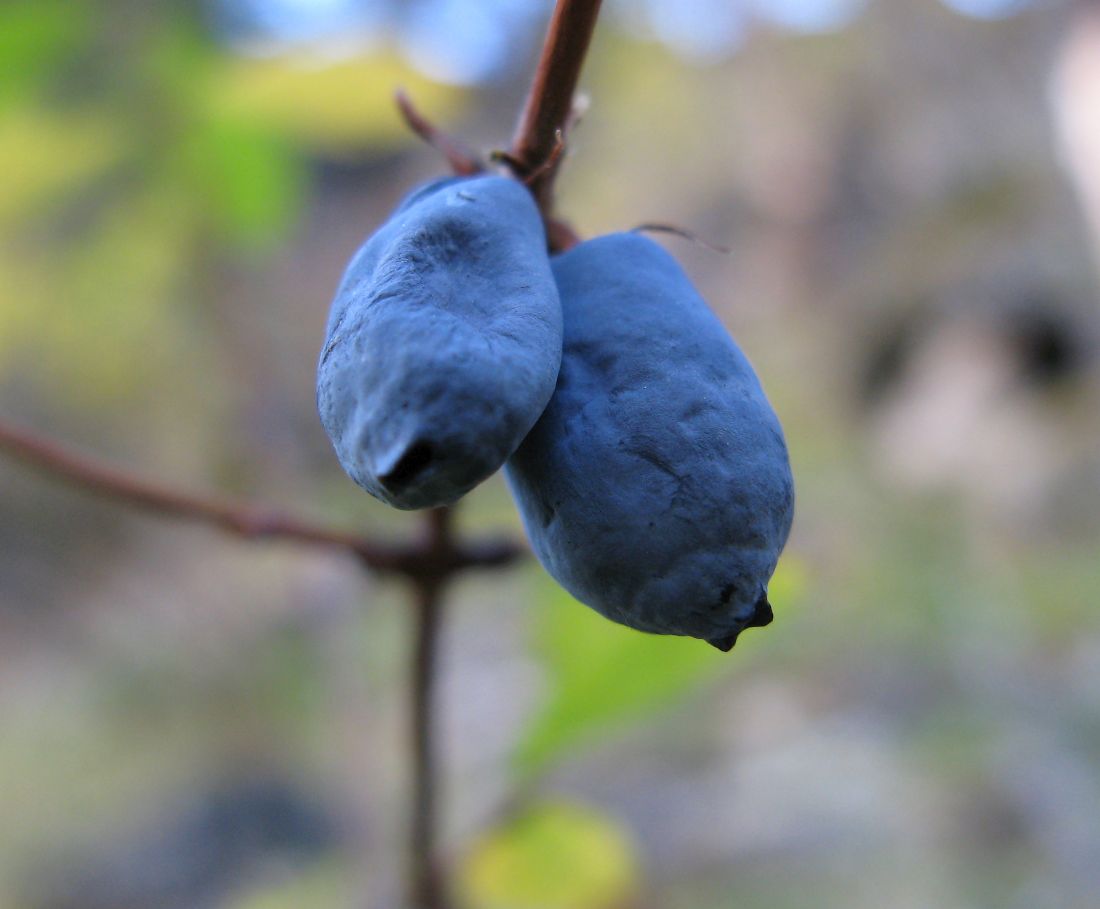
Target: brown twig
248	521
548	110
675	230
427	881
462	160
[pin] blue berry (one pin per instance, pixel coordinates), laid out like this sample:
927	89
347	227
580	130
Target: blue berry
656	487
443	343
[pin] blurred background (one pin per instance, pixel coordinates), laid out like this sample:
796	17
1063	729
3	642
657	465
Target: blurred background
911	189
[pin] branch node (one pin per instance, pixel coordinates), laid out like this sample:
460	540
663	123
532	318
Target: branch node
436	555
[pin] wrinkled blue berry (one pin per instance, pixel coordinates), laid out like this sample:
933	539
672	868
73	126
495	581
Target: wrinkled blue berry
443	343
656	486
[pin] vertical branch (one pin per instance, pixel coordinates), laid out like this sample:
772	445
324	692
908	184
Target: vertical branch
535	157
549	103
425	887
426	882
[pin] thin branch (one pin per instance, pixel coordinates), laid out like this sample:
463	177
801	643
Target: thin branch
245	520
658	227
426	878
548	110
462	160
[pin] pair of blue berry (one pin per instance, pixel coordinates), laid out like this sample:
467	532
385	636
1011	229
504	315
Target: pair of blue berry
650	471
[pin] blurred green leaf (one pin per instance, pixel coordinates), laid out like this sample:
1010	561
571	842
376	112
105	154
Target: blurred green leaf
48	154
242	178
34	36
602	674
100	319
790	582
177	62
247	180
555	856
